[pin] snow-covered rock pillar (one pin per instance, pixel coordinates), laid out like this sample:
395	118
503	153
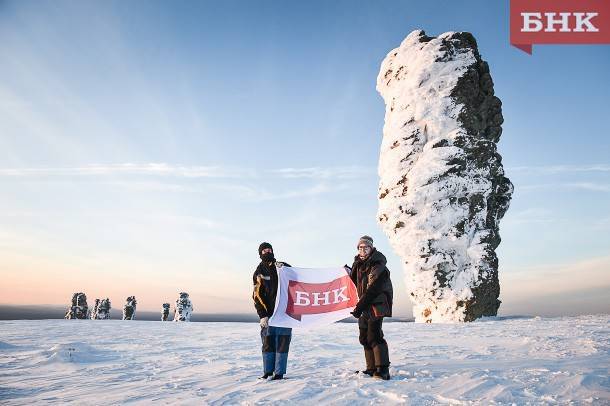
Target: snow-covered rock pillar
442	189
184	308
79	308
165	312
94	311
129	310
101	310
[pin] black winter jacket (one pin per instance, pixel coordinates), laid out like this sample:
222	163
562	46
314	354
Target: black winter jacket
372	280
265	288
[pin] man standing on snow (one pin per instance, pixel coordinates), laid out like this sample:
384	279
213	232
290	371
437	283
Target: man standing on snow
276	340
372	279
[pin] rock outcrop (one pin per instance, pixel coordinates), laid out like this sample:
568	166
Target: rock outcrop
129	310
79	308
165	312
94	311
184	308
442	189
101	310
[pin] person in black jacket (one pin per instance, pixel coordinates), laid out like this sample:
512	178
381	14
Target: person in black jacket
276	340
372	279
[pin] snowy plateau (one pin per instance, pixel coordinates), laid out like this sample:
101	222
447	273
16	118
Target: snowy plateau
511	360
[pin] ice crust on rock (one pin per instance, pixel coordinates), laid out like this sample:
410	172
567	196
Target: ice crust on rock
442	189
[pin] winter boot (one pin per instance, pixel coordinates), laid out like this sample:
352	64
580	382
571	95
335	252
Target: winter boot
369	356
276	377
382	373
266	375
382	361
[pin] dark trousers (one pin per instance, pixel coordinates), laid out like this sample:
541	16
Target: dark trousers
371	334
276	343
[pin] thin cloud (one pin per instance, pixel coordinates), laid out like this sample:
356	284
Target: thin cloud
236	181
150	169
140	186
263	195
559	169
602	224
351	172
595	187
175	220
164	169
152	218
293	194
529	216
590	186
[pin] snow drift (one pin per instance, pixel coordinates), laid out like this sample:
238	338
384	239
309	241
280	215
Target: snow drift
442	189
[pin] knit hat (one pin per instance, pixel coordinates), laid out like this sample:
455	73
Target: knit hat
262	247
366	240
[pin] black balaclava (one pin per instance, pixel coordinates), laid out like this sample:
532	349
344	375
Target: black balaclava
267	257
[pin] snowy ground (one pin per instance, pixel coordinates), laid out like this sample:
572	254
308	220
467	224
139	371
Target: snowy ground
503	361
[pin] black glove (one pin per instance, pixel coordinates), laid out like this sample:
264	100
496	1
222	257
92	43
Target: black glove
356	313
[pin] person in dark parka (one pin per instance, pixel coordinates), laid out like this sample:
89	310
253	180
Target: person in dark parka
372	279
276	340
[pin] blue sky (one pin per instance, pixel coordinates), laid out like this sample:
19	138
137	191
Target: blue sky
147	148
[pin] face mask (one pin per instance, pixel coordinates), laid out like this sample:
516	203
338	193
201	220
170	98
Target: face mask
268	257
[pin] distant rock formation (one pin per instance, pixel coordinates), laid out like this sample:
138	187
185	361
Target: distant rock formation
165	312
93	313
79	308
101	310
184	308
442	189
129	310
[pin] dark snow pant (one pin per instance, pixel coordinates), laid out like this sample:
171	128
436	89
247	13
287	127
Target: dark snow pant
276	342
371	338
371	333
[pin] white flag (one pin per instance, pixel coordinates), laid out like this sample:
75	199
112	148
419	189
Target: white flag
310	297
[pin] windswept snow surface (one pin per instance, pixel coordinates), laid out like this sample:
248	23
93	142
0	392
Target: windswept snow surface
490	361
